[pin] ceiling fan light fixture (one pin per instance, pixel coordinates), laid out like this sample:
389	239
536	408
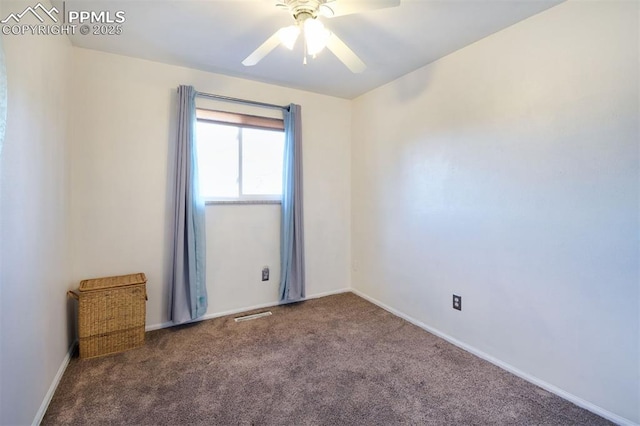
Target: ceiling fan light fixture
288	36
315	35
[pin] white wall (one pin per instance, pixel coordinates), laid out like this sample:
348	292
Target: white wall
34	196
241	240
123	115
507	173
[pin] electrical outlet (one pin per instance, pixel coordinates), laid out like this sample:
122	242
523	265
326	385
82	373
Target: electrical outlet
265	273
457	302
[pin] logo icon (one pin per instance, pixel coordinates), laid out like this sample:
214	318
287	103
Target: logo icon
34	11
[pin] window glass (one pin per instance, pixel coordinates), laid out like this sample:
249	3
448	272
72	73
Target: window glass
218	166
236	162
262	152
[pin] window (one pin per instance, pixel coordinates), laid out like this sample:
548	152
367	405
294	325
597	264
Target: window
239	156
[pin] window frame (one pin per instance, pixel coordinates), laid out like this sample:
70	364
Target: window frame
241	121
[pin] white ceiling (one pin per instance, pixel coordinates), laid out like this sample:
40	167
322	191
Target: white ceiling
216	35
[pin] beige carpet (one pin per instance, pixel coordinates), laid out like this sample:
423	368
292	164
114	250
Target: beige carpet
330	361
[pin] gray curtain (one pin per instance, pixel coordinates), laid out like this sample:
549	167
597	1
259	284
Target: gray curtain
292	287
188	286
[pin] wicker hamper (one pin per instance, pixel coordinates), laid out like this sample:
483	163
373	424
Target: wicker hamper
111	314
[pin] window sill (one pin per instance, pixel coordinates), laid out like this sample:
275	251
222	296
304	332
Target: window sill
241	202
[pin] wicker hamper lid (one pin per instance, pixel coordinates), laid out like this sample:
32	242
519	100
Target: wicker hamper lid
110	282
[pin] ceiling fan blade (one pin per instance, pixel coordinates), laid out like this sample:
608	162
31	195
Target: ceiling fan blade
345	54
262	51
336	8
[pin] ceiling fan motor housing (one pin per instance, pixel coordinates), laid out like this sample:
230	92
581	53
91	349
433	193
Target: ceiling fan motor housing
304	9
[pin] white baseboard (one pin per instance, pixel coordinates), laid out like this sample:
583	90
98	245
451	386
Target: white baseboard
54	385
523	375
328	293
243	309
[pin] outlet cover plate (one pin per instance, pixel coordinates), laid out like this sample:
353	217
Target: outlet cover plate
457	302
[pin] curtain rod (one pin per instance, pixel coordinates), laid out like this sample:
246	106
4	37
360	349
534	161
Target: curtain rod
241	101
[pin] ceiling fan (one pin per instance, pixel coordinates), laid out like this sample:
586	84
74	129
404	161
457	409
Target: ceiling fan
316	36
